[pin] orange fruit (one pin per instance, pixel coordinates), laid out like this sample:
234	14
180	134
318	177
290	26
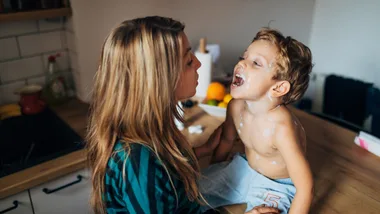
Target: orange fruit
215	91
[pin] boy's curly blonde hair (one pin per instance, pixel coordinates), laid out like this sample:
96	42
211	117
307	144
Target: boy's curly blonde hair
293	62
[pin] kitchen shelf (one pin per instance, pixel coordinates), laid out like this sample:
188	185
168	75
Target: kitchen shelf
36	14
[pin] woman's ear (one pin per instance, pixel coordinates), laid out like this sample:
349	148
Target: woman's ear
280	89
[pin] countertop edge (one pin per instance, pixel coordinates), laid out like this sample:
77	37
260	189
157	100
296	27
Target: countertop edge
39	174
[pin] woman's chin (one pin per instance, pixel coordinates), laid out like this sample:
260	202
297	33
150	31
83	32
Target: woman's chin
190	95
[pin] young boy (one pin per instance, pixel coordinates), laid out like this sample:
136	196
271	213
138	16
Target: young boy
272	73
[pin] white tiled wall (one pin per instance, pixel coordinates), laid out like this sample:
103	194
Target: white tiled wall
39	43
24	49
8	48
21	69
70	44
44	25
17	28
7	92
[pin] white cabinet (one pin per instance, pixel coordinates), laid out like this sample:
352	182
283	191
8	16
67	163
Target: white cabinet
67	194
16	204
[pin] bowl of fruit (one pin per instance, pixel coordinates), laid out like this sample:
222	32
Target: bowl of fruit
216	101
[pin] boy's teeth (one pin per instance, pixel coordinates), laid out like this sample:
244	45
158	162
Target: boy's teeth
240	76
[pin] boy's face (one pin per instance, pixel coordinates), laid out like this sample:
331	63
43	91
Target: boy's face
253	73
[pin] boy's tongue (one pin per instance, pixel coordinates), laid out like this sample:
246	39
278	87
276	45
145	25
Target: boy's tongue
238	80
239	77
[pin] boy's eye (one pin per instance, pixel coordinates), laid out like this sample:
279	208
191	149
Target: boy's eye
256	63
241	58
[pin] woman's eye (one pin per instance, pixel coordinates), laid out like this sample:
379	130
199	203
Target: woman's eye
189	63
241	58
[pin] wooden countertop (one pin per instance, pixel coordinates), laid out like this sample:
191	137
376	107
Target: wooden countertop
346	176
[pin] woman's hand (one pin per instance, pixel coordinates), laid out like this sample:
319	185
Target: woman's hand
210	145
262	209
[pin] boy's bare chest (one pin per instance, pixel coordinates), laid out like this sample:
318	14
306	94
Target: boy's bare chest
256	133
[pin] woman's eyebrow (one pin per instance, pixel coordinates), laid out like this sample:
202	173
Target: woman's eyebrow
187	51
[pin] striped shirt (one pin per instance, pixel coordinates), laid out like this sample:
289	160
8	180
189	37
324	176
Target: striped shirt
146	187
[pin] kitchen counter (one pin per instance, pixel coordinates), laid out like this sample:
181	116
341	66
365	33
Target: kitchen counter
346	176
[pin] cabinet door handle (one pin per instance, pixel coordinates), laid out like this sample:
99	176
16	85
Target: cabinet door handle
48	191
15	205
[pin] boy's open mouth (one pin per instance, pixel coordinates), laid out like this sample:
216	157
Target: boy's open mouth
238	80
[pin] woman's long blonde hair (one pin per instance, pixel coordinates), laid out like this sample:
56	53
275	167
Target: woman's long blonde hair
134	101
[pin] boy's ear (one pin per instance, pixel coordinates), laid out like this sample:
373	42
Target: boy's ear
280	89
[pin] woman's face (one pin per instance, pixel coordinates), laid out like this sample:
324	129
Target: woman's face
188	79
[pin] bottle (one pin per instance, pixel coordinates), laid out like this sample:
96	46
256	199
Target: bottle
1	6
55	86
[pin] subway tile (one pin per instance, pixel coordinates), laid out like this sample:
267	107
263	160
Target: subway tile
69	24
8	48
37	80
63	63
7	92
39	43
70	41
64	39
74	60
69	80
19	69
76	78
50	24
17	27
78	89
84	85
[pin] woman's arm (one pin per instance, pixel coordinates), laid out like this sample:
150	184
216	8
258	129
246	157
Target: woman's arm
228	136
212	142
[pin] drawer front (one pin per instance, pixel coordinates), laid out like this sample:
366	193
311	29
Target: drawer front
67	194
16	204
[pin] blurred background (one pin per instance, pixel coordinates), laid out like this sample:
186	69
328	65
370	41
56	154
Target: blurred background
342	35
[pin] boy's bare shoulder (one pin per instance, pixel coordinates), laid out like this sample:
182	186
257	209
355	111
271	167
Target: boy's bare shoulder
284	120
281	116
287	127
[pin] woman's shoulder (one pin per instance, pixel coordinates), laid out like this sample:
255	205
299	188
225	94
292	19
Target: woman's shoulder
133	151
134	159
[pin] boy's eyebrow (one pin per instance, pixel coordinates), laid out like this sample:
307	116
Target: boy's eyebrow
262	56
187	50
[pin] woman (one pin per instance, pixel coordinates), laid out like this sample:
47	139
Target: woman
140	161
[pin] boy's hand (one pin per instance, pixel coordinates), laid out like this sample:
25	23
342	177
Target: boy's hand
210	145
265	210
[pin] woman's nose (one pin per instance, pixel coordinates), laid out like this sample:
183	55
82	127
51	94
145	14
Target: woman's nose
197	62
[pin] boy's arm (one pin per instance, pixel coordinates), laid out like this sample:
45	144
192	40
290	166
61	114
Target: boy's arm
298	168
228	136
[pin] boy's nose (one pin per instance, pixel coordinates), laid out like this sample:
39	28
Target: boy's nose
242	63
